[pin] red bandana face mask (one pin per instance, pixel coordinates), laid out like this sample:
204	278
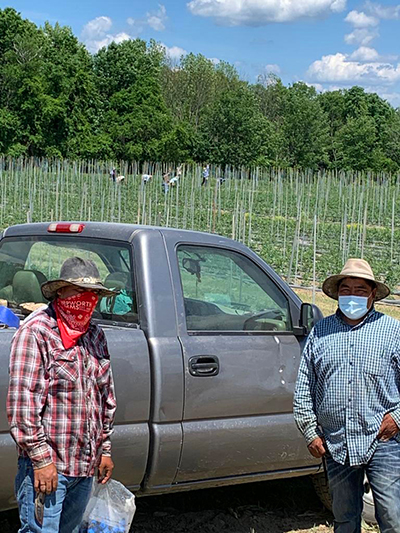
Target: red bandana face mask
73	316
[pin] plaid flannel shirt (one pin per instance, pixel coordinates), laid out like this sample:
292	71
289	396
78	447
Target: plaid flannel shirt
60	403
349	378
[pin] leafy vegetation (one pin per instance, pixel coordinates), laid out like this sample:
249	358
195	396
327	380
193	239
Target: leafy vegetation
129	102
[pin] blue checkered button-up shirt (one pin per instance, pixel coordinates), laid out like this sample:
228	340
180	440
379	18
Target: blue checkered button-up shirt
349	378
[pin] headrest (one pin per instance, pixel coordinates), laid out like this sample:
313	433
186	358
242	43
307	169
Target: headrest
26	287
118	280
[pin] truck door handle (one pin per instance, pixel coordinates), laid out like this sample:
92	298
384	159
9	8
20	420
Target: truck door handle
204	365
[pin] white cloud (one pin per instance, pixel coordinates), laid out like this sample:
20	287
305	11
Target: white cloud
96	28
95	34
273	67
317	86
156	20
174	52
95	46
365	53
214	60
260	12
120	37
382	12
360	20
361	36
340	68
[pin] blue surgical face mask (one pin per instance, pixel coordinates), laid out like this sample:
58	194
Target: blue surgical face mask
354	307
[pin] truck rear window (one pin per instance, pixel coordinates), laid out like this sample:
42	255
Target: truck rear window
26	263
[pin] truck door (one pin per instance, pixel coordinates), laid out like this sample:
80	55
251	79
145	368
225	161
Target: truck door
241	359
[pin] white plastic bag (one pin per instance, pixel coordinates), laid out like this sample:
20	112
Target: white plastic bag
110	509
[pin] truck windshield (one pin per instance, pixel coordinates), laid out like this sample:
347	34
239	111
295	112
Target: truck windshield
26	263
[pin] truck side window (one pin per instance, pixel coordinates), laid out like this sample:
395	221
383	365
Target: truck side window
27	263
225	291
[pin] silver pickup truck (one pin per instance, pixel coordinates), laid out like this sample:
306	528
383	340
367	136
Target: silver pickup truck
205	341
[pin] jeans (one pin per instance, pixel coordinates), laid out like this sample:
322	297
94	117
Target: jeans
63	509
346	484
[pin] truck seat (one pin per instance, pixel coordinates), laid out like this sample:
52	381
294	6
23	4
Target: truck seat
26	286
123	305
118	280
7	273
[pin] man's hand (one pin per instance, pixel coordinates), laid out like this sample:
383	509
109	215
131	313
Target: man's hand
46	479
388	428
317	448
105	469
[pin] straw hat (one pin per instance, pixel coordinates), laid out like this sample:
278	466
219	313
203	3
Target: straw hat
77	272
354	268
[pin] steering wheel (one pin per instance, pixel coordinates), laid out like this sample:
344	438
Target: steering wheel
261	314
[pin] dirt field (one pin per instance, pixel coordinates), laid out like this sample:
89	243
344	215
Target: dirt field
284	506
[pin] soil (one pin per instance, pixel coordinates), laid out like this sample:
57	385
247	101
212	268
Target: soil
284	506
273	507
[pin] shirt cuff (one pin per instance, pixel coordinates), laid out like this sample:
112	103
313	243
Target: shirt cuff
396	416
40	456
311	434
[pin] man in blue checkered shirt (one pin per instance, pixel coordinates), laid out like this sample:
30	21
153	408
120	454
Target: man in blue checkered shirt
347	399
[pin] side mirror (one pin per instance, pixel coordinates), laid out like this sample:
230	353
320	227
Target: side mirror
310	314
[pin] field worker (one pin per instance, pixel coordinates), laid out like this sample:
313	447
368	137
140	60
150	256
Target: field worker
146	178
113	174
347	399
173	181
206	174
165	182
61	402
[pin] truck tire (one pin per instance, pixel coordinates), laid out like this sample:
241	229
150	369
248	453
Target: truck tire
322	489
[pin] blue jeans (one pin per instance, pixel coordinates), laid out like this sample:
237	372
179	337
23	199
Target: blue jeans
63	509
346	484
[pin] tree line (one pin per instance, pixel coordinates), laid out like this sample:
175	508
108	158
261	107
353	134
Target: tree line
130	102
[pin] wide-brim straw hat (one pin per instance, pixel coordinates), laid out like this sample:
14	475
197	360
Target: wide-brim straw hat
77	272
354	268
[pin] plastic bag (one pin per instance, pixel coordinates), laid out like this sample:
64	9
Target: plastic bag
110	509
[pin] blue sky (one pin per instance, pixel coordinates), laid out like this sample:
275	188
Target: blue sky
327	43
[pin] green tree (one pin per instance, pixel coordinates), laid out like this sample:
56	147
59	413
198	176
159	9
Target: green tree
135	117
272	96
233	131
305	127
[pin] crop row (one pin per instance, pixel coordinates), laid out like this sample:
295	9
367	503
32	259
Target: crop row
300	222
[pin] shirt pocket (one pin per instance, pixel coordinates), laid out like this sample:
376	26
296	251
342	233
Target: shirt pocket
64	366
374	362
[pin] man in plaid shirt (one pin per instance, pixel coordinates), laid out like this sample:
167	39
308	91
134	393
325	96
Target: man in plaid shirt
61	402
347	399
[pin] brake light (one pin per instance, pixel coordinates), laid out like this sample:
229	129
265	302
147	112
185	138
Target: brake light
65	228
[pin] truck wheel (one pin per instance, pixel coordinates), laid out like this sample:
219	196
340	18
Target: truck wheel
322	489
